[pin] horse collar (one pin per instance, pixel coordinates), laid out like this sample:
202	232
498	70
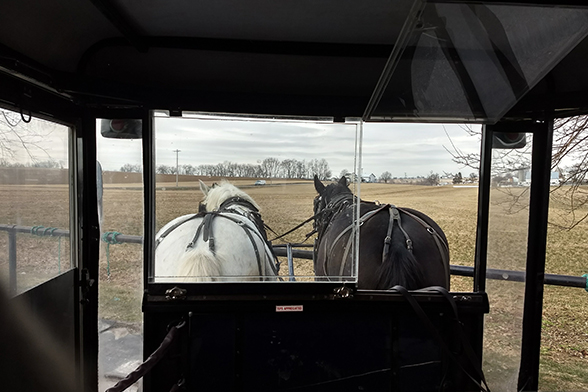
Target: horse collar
236	200
339	200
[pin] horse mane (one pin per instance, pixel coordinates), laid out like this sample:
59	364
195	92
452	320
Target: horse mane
220	193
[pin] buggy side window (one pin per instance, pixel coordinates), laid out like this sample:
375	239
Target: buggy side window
34	201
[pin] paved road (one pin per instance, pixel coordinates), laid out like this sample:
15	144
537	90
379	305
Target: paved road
121	351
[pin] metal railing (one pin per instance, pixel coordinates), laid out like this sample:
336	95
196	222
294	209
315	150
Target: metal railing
283	250
12	231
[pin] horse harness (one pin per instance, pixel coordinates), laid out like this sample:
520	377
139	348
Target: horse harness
341	202
228	206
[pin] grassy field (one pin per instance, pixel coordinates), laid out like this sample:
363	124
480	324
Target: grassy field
564	365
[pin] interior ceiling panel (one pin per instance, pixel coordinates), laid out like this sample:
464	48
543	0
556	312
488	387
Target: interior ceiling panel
238	72
343	21
439	61
53	33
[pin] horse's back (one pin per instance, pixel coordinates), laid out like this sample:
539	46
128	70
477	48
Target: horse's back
431	255
430	247
428	244
226	249
427	219
171	245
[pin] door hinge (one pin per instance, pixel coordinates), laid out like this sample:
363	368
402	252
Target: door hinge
85	284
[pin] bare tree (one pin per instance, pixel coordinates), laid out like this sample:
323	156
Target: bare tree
19	133
386	176
288	167
164	169
570	144
188	169
131	168
300	169
431	179
458	179
320	167
270	167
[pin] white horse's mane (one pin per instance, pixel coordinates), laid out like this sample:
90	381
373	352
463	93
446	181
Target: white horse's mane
215	196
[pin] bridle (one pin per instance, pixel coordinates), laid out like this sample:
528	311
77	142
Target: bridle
325	212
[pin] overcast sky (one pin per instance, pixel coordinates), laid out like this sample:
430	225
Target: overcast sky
401	149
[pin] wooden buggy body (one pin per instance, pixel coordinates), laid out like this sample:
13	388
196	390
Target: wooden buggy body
512	66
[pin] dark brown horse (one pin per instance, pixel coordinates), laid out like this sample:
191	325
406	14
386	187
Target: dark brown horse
397	246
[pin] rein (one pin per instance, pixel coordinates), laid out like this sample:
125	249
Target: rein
298	227
334	203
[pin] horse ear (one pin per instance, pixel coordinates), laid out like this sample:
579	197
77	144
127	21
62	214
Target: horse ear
343	181
318	185
204	188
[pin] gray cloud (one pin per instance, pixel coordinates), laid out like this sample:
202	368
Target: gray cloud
414	149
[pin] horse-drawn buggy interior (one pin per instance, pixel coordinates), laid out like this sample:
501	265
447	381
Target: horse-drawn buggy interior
232	142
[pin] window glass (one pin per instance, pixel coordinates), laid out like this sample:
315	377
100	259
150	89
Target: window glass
257	175
120	198
34	201
428	168
404	165
564	310
507	256
473	62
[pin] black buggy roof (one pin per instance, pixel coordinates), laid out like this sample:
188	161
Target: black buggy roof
441	61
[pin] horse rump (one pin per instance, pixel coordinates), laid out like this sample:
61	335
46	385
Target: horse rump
199	265
399	268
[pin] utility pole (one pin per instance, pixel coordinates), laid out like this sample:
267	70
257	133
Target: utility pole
177	166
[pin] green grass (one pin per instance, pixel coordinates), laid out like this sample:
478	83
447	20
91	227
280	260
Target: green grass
562	376
120	303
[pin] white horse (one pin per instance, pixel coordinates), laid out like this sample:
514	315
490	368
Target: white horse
225	242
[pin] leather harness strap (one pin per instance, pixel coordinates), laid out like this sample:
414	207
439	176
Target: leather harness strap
205	228
206	225
467	349
439	241
364	218
394	218
175	226
394	213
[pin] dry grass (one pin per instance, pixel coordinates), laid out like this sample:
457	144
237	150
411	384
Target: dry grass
39	259
565	329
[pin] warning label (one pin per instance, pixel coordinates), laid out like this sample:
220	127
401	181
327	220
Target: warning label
289	308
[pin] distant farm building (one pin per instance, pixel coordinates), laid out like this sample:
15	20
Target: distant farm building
371	178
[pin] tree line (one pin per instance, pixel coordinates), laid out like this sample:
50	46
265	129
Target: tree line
268	168
48	164
434	178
